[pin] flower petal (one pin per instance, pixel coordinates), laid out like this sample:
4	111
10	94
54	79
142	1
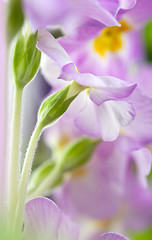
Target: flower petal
93	9
46	12
126	4
68	230
113	115
87	79
42	219
112	236
142	157
140	13
141	127
86	120
114	89
50	46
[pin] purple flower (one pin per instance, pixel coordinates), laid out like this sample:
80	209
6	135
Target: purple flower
44	220
112	188
111	50
100	102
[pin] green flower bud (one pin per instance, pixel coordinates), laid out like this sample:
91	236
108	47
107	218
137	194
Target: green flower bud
26	59
40	174
78	153
15	18
55	105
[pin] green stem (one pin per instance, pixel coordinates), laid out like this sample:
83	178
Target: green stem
25	177
14	154
47	184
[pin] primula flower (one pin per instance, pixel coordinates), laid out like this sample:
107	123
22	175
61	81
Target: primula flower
100	103
101	180
118	52
111	50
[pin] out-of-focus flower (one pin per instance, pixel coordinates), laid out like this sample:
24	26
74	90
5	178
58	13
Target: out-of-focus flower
89	190
44	220
100	102
69	14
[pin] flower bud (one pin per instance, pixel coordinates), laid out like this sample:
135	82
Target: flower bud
78	153
54	106
26	59
40	174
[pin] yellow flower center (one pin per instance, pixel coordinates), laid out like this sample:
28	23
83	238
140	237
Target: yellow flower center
110	39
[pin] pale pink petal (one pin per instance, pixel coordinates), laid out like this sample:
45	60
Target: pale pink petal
49	12
126	4
87	79
114	89
87	121
51	71
112	236
113	115
93	9
141	127
50	46
77	105
68	230
42	219
46	12
140	13
142	158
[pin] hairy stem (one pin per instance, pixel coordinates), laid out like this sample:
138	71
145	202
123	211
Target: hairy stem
25	177
14	154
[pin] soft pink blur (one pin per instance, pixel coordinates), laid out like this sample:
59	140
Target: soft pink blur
2	104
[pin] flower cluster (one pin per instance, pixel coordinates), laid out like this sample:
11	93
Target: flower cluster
89	176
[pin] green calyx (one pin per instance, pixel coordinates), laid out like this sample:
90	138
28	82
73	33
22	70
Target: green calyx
26	59
40	174
55	105
50	174
78	153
